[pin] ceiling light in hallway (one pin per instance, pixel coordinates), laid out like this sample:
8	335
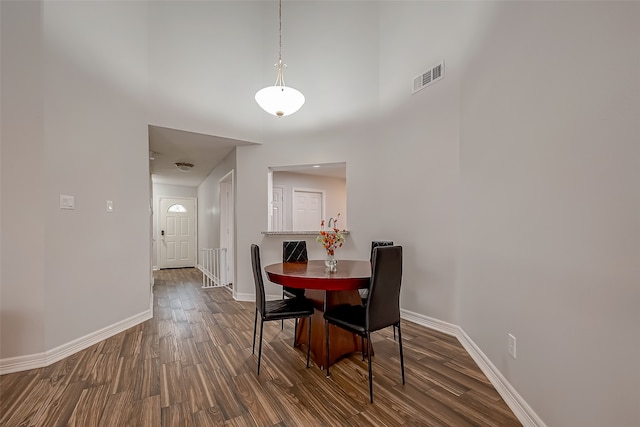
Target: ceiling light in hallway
184	166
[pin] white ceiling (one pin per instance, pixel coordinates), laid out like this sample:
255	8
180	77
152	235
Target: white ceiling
168	146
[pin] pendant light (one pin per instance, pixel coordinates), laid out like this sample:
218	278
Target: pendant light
279	99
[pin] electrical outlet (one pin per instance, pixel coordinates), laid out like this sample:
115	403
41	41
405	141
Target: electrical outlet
511	346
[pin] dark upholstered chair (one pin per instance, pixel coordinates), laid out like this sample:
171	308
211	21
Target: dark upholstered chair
290	308
383	305
294	251
364	293
377	243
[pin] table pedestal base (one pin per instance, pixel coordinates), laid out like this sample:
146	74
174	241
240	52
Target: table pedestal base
342	342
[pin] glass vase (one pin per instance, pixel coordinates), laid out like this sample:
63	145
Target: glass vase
331	263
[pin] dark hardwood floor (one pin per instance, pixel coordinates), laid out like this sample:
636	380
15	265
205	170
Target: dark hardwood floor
191	365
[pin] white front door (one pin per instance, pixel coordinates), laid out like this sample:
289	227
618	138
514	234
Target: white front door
177	232
307	210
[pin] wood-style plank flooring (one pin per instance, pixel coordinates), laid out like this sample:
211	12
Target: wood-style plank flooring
191	365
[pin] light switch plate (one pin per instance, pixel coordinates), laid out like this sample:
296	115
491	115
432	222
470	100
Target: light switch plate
67	202
109	206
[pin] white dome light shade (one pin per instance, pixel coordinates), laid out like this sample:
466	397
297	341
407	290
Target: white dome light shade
184	166
280	100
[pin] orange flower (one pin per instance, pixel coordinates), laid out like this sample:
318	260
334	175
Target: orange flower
332	239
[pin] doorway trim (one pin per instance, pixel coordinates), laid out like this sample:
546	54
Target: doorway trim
228	215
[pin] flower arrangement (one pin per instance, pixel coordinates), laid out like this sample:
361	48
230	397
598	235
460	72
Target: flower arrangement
331	238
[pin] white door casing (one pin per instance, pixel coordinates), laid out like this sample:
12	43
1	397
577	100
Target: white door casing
277	208
227	222
177	232
308	209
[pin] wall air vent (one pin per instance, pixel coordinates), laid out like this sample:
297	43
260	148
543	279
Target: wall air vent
430	76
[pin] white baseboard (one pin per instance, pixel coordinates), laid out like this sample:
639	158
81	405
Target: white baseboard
245	297
22	363
40	360
516	403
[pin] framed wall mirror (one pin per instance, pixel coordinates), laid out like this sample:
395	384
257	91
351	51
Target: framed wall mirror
301	196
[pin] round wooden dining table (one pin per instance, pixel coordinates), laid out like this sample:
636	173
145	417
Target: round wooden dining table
325	289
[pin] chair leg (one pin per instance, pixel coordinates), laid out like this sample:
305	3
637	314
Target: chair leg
394	332
308	338
362	346
260	346
370	374
255	326
401	357
326	334
295	331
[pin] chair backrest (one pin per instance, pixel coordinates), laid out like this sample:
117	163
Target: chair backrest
383	304
376	243
257	278
294	251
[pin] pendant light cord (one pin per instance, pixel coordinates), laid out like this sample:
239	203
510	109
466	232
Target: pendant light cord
280	65
280	31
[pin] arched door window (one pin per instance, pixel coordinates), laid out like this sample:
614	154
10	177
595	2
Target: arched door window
177	208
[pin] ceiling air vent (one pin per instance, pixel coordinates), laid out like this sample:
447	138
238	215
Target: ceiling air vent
430	76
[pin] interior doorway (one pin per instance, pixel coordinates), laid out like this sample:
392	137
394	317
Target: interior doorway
227	223
308	209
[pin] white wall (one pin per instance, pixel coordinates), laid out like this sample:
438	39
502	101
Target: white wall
75	115
417	182
166	190
529	172
22	280
206	58
96	154
550	206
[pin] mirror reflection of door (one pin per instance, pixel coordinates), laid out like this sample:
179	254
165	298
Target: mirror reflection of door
277	208
177	232
308	208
